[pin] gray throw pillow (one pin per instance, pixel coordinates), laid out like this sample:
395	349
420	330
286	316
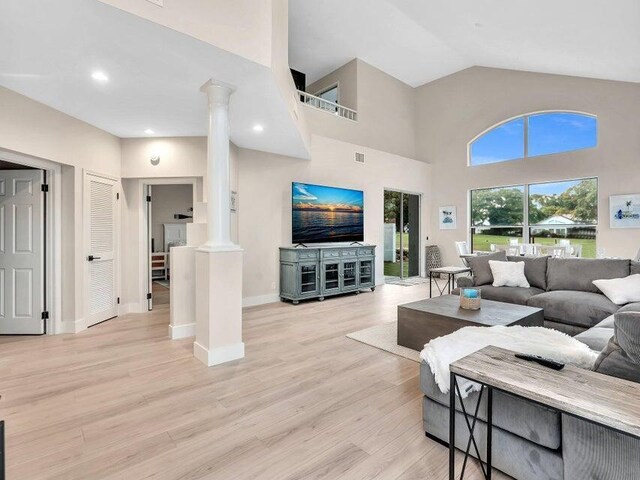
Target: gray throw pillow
621	357
535	269
480	267
635	268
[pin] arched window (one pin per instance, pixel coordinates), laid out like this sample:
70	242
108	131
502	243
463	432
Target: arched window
534	134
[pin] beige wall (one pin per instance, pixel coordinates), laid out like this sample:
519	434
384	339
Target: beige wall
347	79
453	110
168	200
34	129
242	27
265	201
386	111
179	157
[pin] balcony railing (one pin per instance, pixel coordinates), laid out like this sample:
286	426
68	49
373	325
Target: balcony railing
327	106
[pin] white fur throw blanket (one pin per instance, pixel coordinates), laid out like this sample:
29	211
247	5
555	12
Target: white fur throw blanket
440	352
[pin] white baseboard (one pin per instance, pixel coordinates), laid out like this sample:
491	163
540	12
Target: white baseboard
218	355
182	331
73	326
260	300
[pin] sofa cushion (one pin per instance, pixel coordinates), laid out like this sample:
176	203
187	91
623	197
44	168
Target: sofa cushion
597	337
528	420
584	309
535	269
516	295
621	357
513	455
480	267
579	273
631	307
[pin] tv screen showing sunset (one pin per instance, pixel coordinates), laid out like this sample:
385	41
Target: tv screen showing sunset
326	214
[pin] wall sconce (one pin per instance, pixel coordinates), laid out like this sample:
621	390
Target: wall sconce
155	160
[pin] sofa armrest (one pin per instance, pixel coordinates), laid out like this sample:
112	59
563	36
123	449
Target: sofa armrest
464	282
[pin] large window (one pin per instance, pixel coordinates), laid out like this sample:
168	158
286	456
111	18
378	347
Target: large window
533	135
553	213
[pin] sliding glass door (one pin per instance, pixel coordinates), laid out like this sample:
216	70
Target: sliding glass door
401	234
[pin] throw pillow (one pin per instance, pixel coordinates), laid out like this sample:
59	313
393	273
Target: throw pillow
621	290
480	267
508	274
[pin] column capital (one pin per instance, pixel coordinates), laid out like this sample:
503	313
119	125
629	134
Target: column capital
217	89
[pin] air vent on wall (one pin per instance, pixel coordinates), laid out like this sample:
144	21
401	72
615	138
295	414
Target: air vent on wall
359	157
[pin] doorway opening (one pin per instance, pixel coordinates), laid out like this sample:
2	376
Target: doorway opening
401	234
169	208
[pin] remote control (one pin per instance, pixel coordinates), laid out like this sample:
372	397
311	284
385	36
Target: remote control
547	362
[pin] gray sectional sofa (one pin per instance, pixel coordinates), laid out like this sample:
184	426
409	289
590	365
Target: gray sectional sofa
532	442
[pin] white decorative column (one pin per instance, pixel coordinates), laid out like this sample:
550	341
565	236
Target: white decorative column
219	260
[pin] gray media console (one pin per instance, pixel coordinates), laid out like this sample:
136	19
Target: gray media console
317	272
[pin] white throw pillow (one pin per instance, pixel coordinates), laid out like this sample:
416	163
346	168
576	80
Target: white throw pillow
621	290
508	274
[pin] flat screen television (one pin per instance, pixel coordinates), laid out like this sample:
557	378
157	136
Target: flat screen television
323	214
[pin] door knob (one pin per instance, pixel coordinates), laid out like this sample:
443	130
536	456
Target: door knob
91	258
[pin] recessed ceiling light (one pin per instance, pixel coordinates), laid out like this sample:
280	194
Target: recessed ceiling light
100	77
258	128
148	131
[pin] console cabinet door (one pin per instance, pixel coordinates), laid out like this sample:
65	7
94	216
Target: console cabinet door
365	272
349	275
330	277
308	281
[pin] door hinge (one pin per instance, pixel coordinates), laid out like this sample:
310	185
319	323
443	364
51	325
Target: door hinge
117	196
45	316
118	300
44	187
148	198
148	296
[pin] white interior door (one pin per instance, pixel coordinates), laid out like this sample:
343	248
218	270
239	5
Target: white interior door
100	248
21	252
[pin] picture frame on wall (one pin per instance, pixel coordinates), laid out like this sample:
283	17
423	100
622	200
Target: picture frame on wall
447	218
624	211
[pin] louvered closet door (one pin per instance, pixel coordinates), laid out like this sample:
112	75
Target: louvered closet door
101	234
21	252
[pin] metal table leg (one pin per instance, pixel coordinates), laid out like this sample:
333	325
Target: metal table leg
484	466
430	281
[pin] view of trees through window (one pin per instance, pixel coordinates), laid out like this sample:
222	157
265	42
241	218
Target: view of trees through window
557	211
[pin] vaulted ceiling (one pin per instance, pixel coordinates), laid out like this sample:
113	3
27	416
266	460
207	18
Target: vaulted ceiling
418	41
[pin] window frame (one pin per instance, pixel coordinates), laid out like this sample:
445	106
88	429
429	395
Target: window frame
526	225
525	117
328	88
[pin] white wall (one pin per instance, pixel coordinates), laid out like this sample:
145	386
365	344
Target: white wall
167	200
265	201
242	27
453	110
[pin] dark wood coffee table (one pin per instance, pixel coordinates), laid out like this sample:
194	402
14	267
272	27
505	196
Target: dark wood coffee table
421	321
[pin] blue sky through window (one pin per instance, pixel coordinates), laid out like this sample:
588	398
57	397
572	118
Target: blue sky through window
561	132
505	142
548	133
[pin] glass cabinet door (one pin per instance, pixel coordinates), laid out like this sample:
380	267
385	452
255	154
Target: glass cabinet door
366	272
349	272
308	279
331	277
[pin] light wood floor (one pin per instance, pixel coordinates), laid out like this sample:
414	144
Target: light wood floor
122	401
